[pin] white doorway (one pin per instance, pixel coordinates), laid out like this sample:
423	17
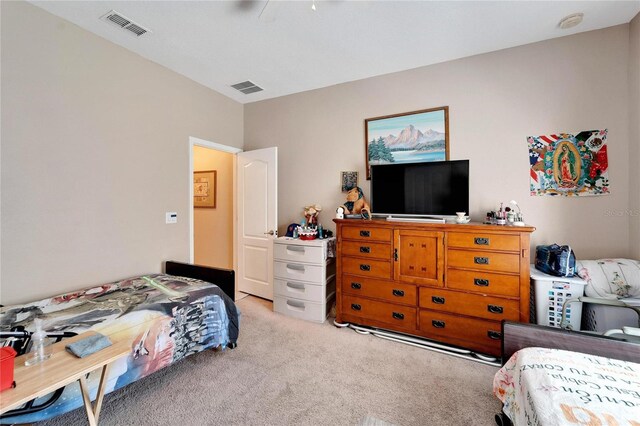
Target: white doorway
254	215
211	228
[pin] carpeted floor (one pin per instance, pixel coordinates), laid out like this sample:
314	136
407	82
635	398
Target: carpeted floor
290	372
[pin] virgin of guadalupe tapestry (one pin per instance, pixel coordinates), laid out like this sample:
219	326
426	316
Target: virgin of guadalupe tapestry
566	164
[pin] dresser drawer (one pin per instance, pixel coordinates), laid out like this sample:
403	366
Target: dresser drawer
474	305
366	249
483	241
366	233
386	290
299	272
385	312
366	267
484	260
304	291
484	282
299	253
478	334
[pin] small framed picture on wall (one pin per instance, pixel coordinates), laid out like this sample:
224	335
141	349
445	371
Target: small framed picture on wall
204	189
349	180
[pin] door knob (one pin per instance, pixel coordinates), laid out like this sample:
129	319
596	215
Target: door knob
272	232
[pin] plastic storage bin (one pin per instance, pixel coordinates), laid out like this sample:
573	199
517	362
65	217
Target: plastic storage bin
7	357
550	293
601	318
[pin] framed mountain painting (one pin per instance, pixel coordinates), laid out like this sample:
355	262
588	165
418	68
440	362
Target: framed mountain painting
410	137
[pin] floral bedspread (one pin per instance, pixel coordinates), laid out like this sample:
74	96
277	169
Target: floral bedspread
555	387
164	317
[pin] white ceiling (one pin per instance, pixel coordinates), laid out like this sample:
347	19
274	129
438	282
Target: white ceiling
291	48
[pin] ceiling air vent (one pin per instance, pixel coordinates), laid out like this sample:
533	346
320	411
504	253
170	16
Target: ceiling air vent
125	23
247	87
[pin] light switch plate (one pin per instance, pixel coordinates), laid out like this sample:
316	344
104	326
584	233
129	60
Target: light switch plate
172	217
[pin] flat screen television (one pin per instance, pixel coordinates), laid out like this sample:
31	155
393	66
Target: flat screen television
431	189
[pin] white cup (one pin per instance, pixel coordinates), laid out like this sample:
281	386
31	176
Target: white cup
461	215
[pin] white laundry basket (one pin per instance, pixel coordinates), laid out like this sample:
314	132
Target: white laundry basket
550	294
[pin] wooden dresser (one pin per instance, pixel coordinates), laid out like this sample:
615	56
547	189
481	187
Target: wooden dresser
446	282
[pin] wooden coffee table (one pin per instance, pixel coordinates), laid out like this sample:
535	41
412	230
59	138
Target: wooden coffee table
61	369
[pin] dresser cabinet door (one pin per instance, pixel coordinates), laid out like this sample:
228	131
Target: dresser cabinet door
419	257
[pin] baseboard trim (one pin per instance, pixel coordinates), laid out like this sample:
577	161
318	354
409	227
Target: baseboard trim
423	344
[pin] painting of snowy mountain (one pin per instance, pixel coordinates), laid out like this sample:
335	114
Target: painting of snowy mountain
411	137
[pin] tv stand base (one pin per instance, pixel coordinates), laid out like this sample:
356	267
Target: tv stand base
417	219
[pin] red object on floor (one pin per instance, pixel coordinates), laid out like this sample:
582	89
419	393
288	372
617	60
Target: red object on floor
7	355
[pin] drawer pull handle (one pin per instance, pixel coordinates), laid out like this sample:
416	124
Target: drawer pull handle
480	282
364	249
399	293
356	307
365	233
356	286
296	306
395	254
365	268
295	248
438	324
437	300
481	260
296	286
481	241
494	335
294	267
398	315
495	309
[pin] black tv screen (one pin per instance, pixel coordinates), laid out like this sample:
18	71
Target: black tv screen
439	188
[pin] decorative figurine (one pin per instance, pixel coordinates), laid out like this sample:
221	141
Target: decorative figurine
311	214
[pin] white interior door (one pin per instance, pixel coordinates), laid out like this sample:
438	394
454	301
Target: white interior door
257	220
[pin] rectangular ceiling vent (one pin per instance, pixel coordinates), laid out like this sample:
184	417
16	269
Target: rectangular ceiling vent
125	23
247	87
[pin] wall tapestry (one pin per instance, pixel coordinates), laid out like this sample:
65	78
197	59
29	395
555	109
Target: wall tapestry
410	137
566	164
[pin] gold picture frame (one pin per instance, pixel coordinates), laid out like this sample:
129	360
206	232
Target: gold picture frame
204	189
399	138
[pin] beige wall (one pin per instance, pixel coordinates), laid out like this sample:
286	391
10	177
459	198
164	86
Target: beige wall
495	101
213	228
95	150
634	137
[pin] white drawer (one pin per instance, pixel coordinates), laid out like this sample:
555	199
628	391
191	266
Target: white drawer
304	291
299	272
302	309
299	253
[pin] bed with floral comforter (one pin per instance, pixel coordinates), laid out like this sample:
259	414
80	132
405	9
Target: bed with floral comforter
556	387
